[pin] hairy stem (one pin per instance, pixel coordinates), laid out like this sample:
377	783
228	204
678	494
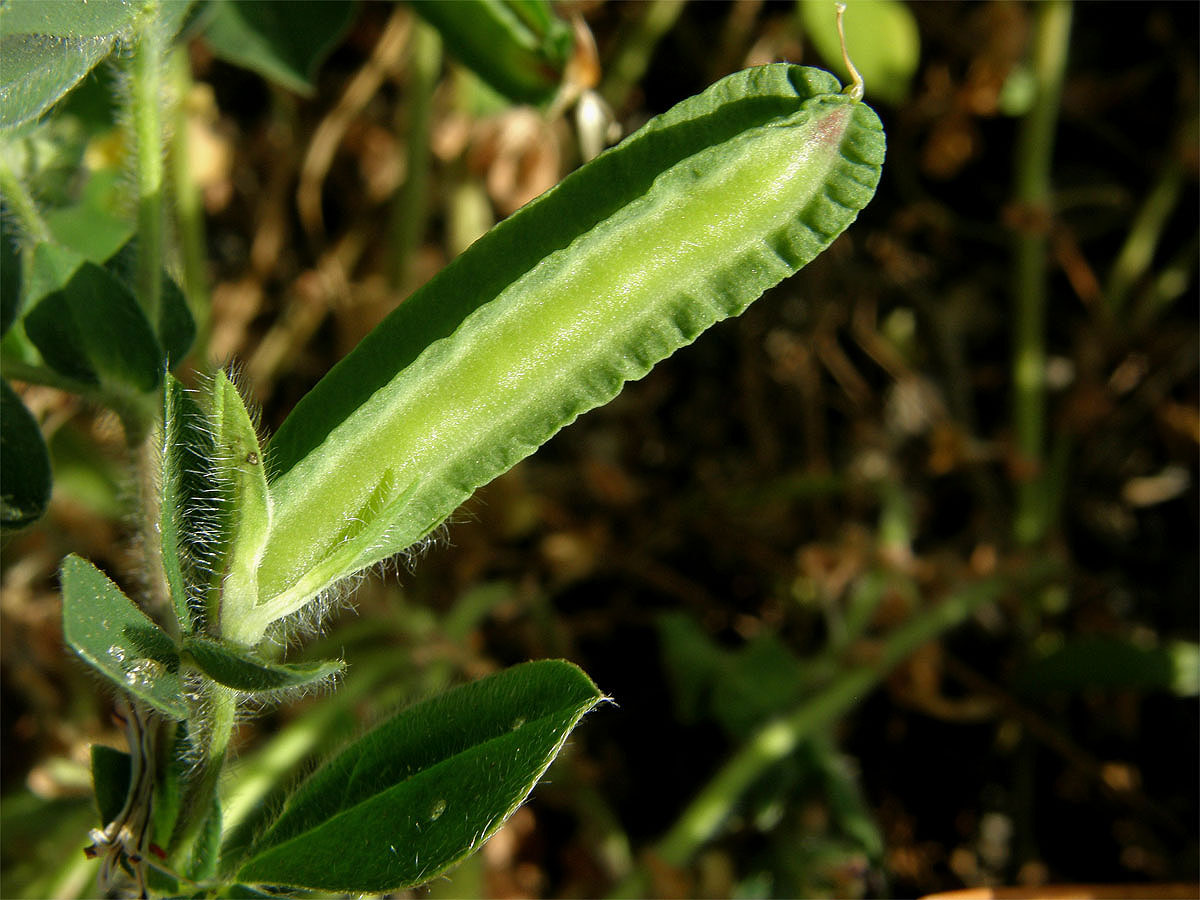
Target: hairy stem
146	93
214	740
189	216
21	204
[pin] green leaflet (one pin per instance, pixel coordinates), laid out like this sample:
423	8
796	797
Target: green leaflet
118	639
24	460
67	18
110	780
241	671
519	47
87	324
175	327
10	272
189	513
631	257
24	463
92	328
47	46
245	507
421	791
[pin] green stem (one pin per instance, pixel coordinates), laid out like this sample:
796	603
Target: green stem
146	93
188	212
137	411
1144	234
1171	281
773	742
411	206
1034	154
19	370
22	204
635	50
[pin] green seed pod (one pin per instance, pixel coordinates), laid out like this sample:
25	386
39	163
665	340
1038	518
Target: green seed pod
684	223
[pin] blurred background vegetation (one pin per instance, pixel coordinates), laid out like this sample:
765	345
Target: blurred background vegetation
739	535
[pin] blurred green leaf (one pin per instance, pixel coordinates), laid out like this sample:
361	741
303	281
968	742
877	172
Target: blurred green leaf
242	671
757	681
95	102
96	480
10	273
519	47
740	688
95	226
472	607
692	661
1099	661
117	639
47	157
842	790
285	41
52	268
84	317
176	329
24	463
91	329
881	38
35	832
427	787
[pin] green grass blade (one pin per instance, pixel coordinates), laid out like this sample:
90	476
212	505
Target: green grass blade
426	788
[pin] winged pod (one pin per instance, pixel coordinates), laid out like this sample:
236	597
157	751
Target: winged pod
684	223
